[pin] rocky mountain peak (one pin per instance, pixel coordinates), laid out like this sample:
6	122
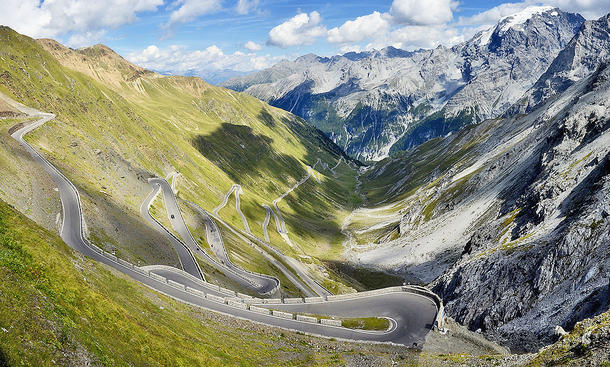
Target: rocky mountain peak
376	102
518	19
589	48
529	23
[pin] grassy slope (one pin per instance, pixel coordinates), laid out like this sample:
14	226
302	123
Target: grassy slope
117	129
60	308
21	182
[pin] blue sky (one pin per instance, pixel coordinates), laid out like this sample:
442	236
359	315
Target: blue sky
203	36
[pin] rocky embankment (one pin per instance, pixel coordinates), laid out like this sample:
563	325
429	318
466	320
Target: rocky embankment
554	267
512	226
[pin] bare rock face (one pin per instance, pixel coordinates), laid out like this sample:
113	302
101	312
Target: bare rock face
371	103
555	268
507	220
584	53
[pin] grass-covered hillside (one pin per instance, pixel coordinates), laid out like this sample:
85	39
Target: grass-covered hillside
118	124
59	308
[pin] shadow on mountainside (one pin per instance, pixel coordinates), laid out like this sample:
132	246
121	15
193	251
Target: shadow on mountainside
266	118
316	139
246	156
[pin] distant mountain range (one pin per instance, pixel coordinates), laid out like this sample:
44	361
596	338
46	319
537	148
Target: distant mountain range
377	102
213	77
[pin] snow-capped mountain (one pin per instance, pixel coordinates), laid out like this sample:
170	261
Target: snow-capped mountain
375	102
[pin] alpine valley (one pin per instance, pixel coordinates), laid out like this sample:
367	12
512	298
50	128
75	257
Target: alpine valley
440	207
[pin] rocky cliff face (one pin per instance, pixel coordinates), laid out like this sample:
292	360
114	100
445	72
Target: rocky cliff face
373	102
584	53
555	267
511	225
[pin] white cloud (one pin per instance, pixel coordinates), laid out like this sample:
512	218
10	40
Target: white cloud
350	48
422	12
246	6
84	18
302	29
418	36
253	46
590	9
360	28
86	38
424	24
413	24
189	10
493	15
178	60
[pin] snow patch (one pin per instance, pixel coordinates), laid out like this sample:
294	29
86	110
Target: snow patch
485	36
523	16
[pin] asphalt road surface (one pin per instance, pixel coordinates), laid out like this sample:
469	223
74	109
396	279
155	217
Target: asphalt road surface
187	260
291	277
259	283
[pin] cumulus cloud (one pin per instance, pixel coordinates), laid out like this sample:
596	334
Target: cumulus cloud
189	10
246	6
253	46
360	28
85	19
413	24
302	29
493	15
422	12
86	38
590	9
418	36
350	48
178	60
409	24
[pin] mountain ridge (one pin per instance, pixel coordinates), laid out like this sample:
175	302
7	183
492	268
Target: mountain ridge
577	60
393	100
507	219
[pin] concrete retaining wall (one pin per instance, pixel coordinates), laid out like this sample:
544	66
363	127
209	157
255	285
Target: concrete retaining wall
158	277
236	304
272	301
195	292
293	300
228	292
439	321
111	256
126	263
176	284
215	298
141	271
345	296
284	315
330	322
307	319
264	311
314	299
